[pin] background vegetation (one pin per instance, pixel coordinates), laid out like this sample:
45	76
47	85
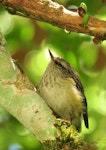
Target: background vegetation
28	42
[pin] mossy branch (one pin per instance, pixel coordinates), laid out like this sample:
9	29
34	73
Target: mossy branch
58	15
19	98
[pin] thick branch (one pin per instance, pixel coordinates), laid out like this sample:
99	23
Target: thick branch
51	12
18	97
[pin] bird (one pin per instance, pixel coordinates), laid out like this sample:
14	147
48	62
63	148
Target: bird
62	90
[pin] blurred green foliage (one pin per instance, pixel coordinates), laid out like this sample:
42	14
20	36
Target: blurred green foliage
28	42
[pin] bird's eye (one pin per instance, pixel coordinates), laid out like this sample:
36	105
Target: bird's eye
59	64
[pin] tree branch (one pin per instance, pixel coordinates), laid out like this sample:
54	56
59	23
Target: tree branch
55	14
18	97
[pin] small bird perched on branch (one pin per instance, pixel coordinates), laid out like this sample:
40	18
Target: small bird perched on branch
62	90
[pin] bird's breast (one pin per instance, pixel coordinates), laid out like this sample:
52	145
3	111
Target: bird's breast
62	96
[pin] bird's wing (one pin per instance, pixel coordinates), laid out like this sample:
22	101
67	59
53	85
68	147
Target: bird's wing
79	86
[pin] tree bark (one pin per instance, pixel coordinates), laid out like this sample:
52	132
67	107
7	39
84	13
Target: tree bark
58	15
19	98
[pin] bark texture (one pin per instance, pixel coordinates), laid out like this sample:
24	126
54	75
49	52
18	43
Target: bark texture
58	15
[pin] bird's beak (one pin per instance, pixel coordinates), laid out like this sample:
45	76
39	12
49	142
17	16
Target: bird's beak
51	55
